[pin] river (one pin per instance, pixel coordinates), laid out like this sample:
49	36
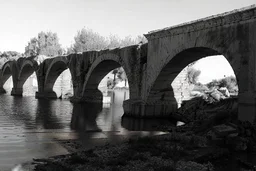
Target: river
32	128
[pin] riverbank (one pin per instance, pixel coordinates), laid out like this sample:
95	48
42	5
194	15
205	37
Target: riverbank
174	151
222	148
217	141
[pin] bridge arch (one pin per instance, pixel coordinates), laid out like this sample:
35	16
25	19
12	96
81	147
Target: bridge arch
100	68
161	90
26	70
57	66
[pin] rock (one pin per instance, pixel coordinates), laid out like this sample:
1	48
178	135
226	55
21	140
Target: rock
248	132
190	165
223	130
224	91
196	93
240	144
237	143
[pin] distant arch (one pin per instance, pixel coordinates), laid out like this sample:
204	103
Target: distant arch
100	68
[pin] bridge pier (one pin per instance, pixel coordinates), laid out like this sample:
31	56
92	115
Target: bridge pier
247	107
17	91
141	109
48	95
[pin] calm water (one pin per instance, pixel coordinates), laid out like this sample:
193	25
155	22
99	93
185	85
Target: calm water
32	128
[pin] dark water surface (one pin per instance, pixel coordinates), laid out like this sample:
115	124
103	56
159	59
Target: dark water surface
31	128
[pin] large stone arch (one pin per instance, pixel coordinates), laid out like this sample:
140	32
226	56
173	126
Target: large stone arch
170	50
100	68
161	88
57	66
161	93
27	68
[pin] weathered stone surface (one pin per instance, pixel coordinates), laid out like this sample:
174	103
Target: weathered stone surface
171	49
224	130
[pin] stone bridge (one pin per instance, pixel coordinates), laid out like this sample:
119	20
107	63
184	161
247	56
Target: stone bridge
152	67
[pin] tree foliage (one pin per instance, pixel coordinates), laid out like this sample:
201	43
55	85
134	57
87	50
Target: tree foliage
229	82
46	43
193	75
8	55
87	40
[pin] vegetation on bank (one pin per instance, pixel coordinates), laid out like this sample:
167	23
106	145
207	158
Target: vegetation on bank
224	86
220	147
165	152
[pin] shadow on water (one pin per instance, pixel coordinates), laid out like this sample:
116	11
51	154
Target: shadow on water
47	114
20	111
84	117
137	124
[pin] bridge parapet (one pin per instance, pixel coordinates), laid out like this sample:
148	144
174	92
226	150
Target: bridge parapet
227	18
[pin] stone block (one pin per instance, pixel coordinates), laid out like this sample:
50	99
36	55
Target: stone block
224	130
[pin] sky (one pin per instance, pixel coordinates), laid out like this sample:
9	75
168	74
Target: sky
22	20
208	65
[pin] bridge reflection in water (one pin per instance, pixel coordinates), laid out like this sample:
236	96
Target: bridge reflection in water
32	128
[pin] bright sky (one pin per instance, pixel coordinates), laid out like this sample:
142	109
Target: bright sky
208	66
23	19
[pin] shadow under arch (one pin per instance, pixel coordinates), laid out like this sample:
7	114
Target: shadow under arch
96	73
162	90
58	65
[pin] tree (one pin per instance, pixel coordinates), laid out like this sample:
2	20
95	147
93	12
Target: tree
2	61
141	39
8	55
229	82
193	75
113	41
45	44
86	40
128	41
122	75
115	71
32	48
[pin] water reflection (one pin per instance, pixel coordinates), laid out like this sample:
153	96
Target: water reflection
48	115
33	128
84	117
137	124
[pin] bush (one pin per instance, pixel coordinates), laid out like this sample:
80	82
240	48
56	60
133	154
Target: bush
193	75
229	82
